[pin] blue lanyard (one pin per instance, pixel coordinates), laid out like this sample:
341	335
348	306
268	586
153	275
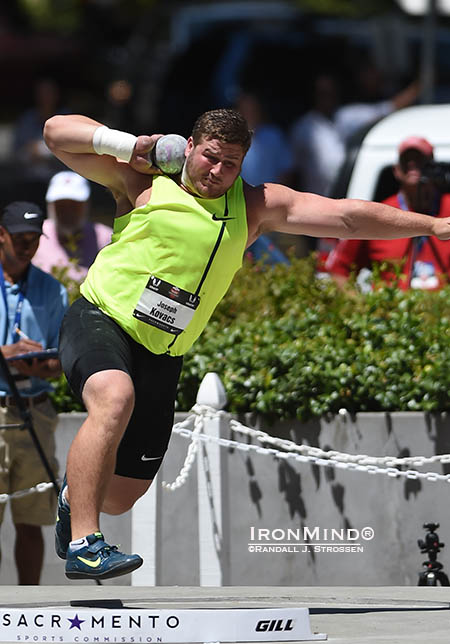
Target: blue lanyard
418	241
19	306
434	210
402	201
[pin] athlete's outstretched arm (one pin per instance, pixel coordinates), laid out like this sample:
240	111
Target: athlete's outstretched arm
272	207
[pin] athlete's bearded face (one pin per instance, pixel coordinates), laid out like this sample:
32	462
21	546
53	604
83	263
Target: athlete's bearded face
211	167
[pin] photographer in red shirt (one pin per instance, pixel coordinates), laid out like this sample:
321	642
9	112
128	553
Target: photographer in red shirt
425	261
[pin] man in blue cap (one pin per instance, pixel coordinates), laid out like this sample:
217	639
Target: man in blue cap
31	309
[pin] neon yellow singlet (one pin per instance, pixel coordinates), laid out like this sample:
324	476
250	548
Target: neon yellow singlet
169	264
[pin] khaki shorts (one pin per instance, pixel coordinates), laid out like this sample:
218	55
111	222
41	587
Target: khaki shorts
21	466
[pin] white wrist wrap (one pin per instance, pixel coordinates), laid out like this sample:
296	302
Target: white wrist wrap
113	142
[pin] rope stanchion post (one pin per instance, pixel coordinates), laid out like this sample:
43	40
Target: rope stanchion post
214	549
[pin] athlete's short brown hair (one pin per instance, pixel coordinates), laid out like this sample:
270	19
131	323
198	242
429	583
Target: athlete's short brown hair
226	125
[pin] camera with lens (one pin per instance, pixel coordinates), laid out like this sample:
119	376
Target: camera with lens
437	173
431	544
432	573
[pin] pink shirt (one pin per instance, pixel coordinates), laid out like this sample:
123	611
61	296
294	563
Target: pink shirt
52	252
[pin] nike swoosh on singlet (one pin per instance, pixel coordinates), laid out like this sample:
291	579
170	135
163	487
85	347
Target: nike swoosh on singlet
216	218
88	562
150	458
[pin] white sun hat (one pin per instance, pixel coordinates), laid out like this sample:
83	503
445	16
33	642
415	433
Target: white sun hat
68	185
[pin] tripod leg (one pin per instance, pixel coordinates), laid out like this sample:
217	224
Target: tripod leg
443	579
25	414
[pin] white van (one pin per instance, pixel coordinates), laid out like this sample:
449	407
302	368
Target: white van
369	173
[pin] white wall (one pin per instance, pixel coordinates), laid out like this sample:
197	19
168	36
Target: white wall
264	492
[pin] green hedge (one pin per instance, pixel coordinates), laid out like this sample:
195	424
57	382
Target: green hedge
288	345
63	399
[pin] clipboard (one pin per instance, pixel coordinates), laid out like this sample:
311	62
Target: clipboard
45	354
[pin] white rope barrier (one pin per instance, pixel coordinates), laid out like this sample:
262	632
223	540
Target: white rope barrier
361	459
300	453
201	412
191	453
282	449
38	488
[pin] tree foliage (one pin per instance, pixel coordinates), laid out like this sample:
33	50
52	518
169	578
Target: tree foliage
69	15
288	345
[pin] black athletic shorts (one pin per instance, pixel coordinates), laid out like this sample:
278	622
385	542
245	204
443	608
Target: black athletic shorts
90	341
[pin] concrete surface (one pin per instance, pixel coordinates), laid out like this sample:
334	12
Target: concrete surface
394	615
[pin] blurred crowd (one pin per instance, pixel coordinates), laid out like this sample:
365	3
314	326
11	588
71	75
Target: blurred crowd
307	155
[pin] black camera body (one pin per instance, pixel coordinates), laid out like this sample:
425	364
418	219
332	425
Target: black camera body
437	173
432	575
432	545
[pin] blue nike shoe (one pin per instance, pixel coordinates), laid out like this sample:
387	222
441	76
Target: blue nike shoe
99	560
63	533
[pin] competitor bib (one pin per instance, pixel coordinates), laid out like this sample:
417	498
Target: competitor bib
165	306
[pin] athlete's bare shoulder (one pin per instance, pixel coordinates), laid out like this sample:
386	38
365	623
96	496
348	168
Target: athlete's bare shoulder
267	207
254	205
136	193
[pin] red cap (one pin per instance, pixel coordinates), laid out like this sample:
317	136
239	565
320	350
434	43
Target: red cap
416	143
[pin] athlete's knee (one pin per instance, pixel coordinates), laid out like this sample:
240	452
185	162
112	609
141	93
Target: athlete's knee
123	493
110	393
118	506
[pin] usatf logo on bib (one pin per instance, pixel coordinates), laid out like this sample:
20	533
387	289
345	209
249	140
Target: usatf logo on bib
166	306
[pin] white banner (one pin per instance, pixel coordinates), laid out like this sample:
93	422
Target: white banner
136	626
